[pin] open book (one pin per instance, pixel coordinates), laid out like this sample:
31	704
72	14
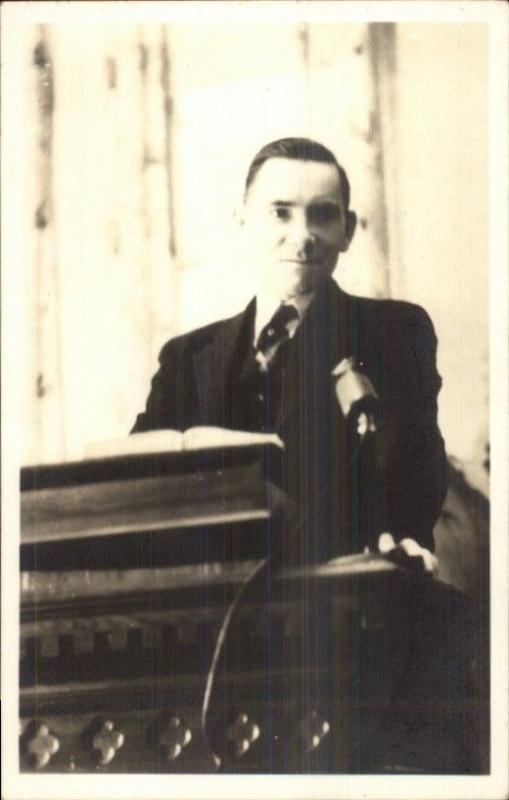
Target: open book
170	441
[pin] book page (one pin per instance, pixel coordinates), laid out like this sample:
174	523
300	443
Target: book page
203	437
172	441
161	441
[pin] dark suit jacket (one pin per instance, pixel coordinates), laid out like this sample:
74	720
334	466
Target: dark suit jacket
395	345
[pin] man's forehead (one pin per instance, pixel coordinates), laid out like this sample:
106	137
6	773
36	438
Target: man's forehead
290	180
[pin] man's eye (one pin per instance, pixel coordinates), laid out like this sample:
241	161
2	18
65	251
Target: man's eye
282	213
324	213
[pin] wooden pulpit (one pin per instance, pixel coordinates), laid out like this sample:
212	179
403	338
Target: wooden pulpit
161	633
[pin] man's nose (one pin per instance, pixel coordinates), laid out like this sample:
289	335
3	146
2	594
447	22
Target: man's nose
301	233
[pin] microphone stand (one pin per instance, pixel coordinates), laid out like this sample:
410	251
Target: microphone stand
358	401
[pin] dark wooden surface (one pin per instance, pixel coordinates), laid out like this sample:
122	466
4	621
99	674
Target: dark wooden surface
148	504
125	467
327	669
138	658
150	511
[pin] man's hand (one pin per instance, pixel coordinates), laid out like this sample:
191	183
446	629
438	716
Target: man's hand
408	553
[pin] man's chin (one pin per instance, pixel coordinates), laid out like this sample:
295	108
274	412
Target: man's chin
285	283
290	289
288	292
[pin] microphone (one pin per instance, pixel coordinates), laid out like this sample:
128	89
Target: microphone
358	402
356	396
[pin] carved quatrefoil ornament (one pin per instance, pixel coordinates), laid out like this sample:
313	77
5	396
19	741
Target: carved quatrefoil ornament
175	737
312	729
243	733
42	746
108	741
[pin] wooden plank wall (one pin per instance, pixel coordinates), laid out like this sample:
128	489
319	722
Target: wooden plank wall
102	281
137	143
140	137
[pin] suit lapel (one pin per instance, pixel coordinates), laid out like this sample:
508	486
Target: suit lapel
333	328
213	365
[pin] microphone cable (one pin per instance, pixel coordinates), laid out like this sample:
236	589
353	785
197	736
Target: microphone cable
211	675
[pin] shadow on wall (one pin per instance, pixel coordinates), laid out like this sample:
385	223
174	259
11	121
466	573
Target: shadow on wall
462	542
462	530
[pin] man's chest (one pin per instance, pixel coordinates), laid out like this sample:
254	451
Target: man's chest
300	382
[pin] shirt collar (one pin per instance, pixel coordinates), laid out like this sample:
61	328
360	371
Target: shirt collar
267	305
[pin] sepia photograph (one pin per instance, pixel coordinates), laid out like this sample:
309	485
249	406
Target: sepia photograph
254	432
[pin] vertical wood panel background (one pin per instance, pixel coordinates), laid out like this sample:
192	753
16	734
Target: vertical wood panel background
138	141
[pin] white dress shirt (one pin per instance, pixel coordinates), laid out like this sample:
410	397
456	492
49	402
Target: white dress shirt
266	307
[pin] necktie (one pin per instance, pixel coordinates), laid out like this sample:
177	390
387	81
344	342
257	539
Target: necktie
276	331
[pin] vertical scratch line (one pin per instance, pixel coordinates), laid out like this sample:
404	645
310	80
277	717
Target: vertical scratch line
168	127
165	81
304	48
381	60
44	223
146	226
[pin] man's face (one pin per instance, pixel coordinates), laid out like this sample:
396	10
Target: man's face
295	224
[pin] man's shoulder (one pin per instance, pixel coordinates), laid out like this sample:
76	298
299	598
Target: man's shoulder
194	340
401	313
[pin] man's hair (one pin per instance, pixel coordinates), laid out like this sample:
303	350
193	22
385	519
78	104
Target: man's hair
300	149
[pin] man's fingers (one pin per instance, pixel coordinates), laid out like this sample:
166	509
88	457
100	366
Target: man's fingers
386	543
430	561
408	546
413	549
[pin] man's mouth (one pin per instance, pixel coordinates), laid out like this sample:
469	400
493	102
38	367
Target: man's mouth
303	262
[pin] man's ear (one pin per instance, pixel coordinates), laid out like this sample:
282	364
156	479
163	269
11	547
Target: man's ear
350	226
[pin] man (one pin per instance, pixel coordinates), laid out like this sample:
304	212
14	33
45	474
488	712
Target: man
273	368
